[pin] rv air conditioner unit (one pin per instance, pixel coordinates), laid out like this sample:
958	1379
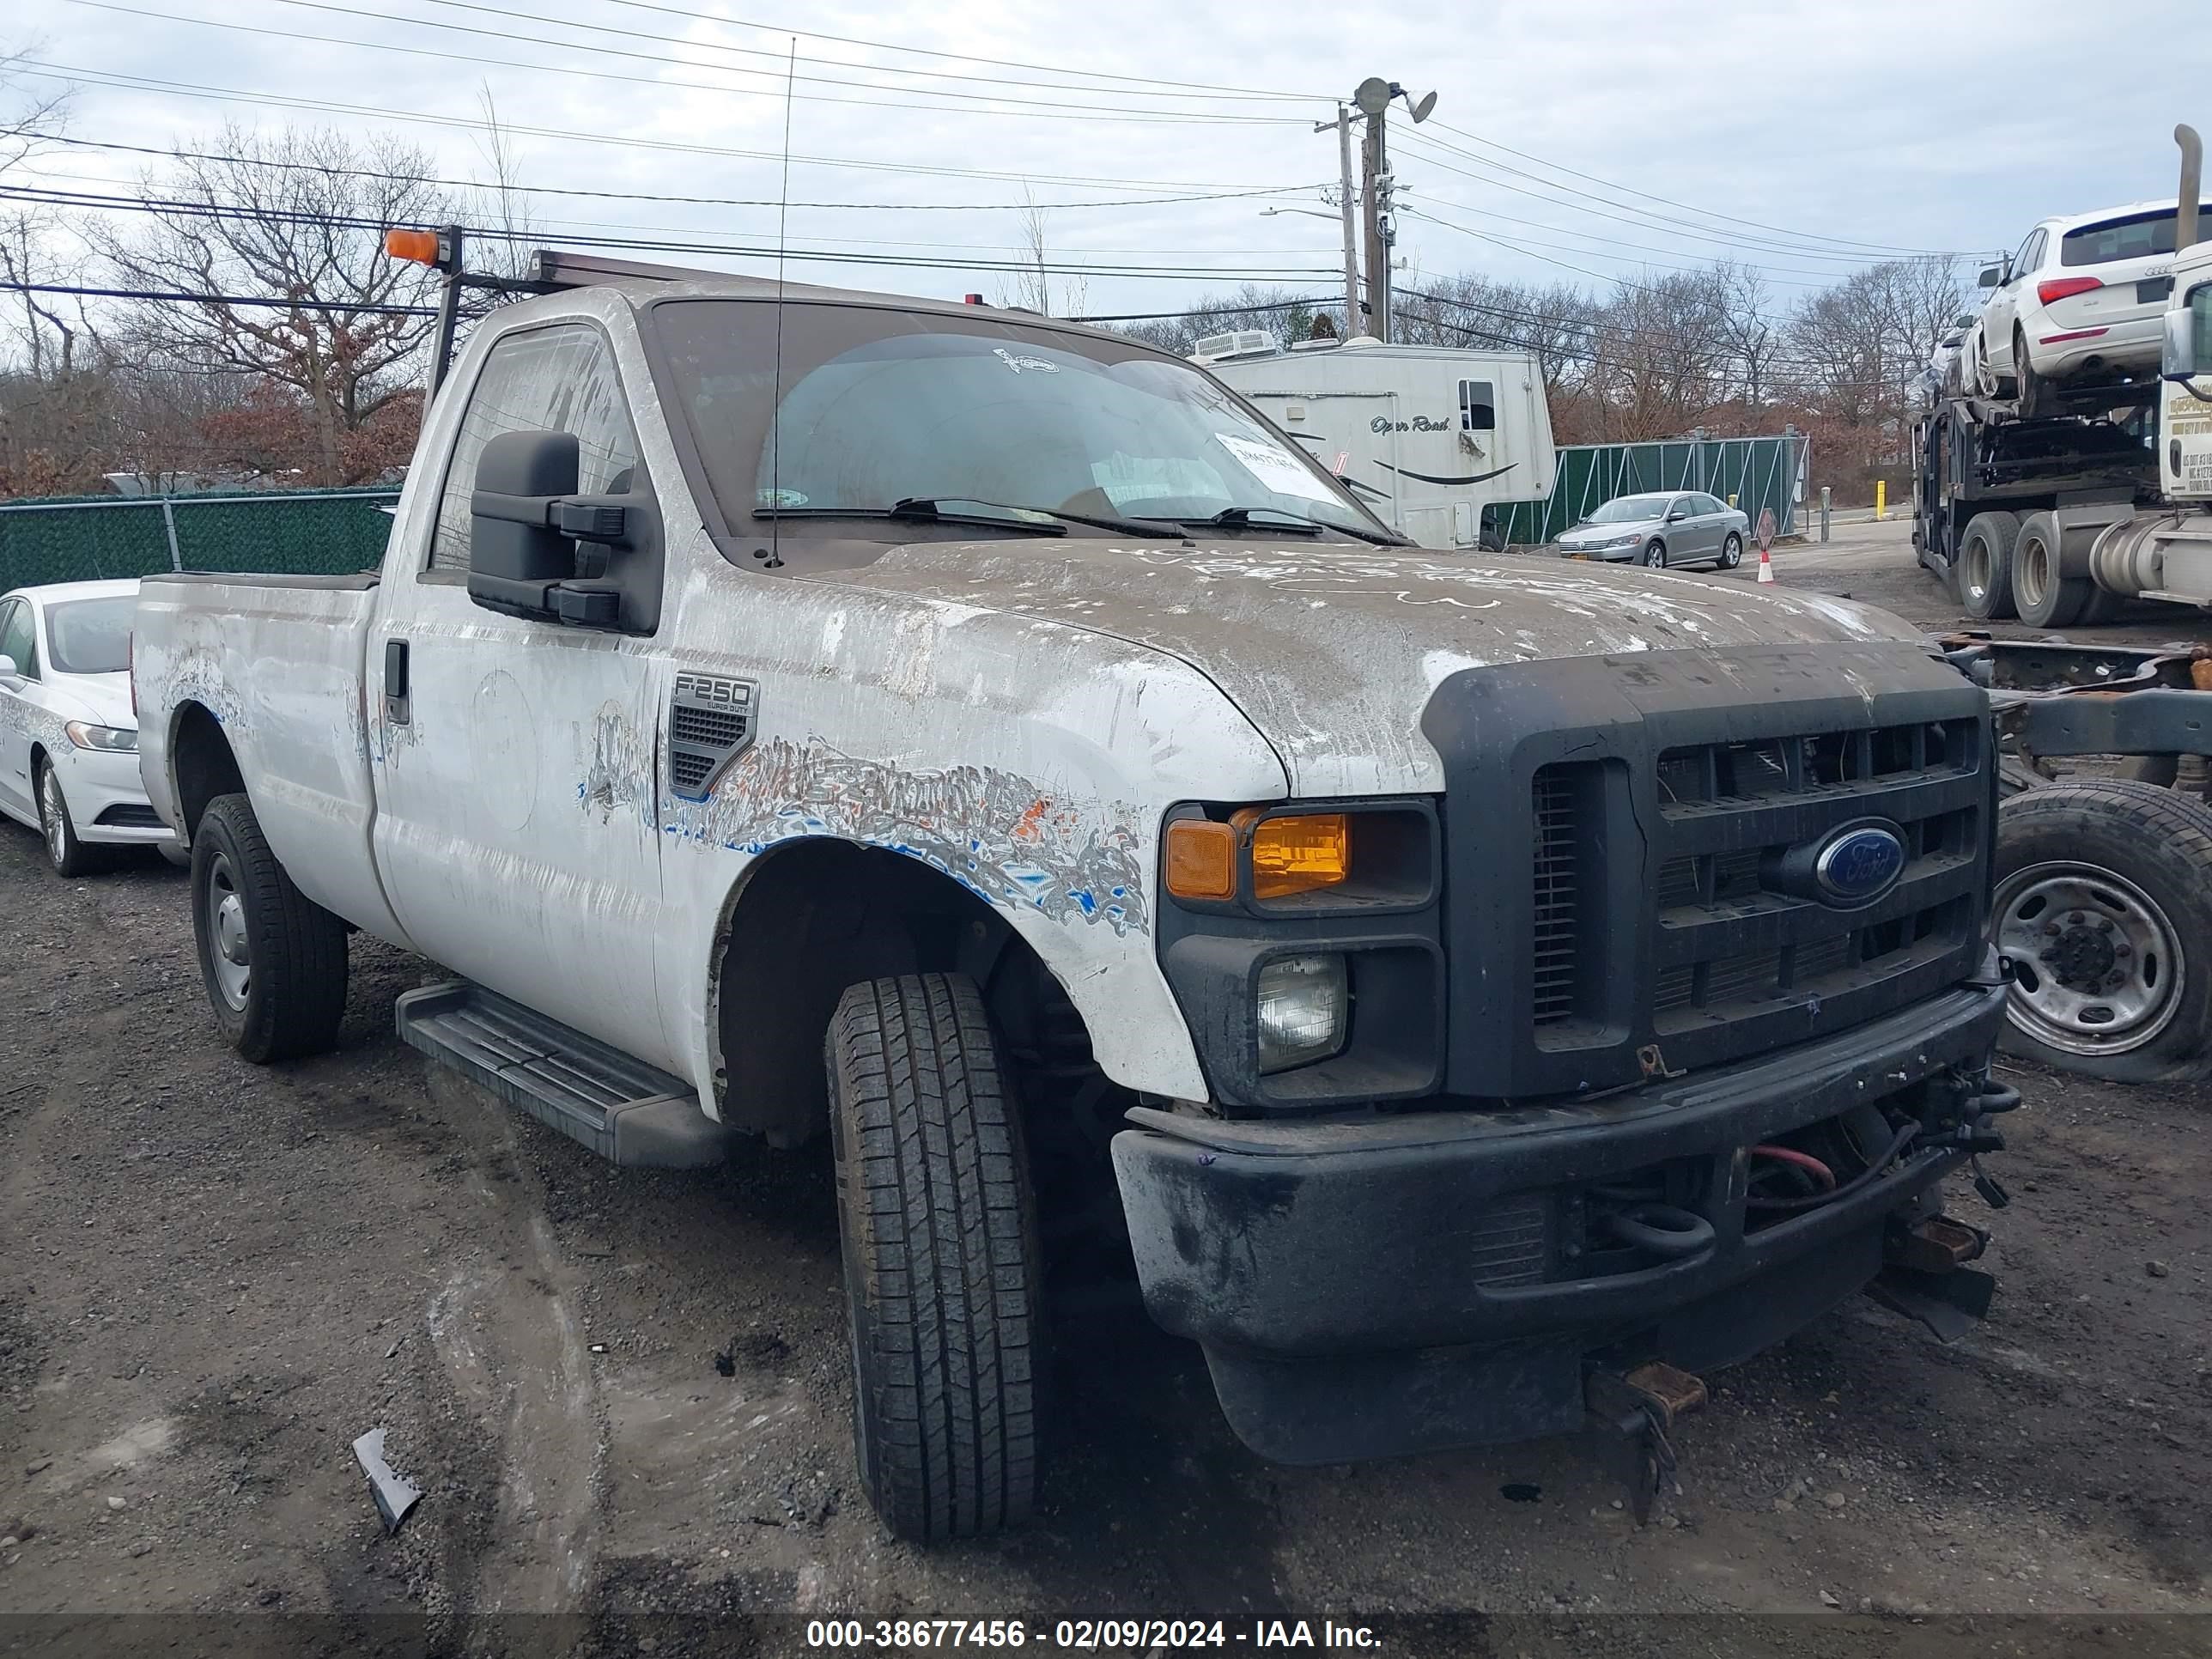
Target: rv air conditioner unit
1226	348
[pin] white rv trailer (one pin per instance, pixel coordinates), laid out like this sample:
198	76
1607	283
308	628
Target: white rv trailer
1427	436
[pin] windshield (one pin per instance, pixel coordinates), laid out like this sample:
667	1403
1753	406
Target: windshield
1627	509
881	407
90	636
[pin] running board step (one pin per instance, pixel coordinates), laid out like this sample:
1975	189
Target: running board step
628	1112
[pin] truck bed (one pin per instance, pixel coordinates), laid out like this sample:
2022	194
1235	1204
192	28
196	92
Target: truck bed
303	733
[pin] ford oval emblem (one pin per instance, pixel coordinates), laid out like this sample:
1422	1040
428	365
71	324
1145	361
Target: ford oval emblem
1858	864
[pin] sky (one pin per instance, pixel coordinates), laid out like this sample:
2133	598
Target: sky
1583	141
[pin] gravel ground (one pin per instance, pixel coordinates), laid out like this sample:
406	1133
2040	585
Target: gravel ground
625	1394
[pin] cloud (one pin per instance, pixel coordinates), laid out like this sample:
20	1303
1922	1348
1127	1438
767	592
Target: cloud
1884	123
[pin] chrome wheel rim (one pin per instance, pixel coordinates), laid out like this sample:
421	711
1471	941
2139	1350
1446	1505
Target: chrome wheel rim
2031	570
2096	967
1974	562
53	817
229	951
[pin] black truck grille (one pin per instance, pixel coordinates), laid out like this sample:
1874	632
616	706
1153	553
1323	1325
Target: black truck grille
1555	939
1630	843
1730	945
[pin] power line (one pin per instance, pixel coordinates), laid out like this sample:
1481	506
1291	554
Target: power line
1644	218
555	228
1814	236
280	100
1151	88
349	306
968	57
1030	109
649	195
212	210
1530	251
1324	301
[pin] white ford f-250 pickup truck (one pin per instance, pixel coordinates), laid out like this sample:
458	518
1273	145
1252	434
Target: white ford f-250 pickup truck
1492	990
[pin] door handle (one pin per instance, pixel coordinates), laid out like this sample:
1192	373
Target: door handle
396	709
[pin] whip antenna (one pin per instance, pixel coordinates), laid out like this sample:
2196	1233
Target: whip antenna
775	406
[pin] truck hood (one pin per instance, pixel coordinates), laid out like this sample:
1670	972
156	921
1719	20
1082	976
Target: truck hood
1333	652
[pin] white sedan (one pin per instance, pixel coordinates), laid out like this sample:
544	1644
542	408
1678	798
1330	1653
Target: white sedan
2082	299
68	738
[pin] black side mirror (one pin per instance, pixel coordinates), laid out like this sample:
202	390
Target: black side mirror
538	549
515	552
1992	277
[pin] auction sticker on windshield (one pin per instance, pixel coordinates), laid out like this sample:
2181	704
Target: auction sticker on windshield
1279	472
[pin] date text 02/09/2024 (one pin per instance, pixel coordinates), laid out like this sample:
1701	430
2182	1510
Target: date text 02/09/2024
1139	1635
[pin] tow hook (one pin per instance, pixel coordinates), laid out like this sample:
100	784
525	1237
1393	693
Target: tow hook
1635	1413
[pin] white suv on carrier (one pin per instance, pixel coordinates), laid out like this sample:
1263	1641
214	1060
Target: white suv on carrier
2080	300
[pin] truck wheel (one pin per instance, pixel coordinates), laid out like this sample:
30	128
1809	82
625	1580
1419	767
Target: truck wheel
69	855
2103	889
941	1260
1984	564
274	960
2041	594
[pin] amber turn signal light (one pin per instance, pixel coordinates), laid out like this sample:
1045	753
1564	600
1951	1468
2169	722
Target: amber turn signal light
1300	854
419	245
1201	860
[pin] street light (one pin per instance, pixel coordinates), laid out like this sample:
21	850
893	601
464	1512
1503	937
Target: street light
1310	213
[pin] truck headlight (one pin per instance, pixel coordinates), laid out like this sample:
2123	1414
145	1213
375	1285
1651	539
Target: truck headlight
114	738
1304	1010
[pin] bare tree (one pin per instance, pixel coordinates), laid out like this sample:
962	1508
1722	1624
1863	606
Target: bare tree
295	218
26	119
1032	288
1748	324
499	205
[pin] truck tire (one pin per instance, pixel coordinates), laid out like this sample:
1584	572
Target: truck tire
1984	566
2041	594
274	961
942	1267
2104	893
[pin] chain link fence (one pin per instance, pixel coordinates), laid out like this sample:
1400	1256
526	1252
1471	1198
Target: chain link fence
1751	473
324	532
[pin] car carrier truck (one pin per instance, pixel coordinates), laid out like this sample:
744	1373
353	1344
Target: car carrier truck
2104	495
2101	498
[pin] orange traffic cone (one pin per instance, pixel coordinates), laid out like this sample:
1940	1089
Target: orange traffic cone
1765	567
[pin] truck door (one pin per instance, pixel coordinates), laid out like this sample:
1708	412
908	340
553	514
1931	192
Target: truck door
517	826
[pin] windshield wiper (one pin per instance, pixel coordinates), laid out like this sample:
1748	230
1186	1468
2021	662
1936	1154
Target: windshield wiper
1245	518
964	509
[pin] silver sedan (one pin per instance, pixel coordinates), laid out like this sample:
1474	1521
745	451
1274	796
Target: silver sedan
1681	526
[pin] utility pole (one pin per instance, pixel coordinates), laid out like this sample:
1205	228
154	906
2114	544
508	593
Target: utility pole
1373	98
1373	95
1344	200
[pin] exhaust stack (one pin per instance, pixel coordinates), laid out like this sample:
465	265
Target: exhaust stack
2192	172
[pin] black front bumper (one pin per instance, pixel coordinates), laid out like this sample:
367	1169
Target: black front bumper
1406	1282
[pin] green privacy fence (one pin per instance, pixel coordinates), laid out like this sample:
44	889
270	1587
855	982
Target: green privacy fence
1754	472
296	531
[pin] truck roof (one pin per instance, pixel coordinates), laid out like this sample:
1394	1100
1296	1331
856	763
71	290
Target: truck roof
558	271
